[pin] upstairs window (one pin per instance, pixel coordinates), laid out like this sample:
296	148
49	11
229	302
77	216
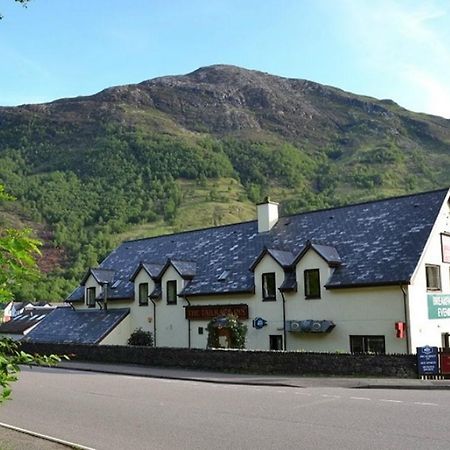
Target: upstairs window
171	292
268	286
433	274
312	283
143	294
90	297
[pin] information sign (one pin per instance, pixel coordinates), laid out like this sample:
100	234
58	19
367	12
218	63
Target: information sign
438	306
427	360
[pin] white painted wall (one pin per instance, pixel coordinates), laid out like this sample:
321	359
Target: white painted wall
171	325
426	331
120	334
355	311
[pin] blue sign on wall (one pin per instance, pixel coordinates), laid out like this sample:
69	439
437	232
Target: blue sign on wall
427	360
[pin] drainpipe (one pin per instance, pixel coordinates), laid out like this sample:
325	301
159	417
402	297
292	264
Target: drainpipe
405	308
284	320
154	321
189	325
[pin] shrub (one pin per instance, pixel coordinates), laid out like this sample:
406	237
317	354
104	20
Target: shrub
141	337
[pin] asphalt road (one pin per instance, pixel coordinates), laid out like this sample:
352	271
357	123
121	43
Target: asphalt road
124	412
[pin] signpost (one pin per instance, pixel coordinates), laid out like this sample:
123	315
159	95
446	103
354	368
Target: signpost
427	360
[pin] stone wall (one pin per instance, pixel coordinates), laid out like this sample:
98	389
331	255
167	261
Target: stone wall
240	361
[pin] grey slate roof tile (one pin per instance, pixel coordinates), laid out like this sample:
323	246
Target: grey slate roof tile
64	325
377	242
24	321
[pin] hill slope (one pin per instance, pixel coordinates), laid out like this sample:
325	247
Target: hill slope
190	151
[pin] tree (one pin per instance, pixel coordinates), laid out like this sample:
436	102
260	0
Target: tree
23	2
17	263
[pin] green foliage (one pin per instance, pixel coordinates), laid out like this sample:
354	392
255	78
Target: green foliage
10	359
17	264
141	337
17	251
236	332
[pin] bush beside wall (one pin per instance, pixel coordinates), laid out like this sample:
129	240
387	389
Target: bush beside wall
240	361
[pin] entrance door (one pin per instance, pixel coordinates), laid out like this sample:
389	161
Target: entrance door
276	342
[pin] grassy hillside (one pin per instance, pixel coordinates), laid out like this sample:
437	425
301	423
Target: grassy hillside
198	150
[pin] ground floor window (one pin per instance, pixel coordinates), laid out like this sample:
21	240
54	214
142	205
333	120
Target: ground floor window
276	342
367	344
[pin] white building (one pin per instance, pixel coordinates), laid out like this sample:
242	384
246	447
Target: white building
368	277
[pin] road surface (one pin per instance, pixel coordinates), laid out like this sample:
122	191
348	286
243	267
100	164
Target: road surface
124	412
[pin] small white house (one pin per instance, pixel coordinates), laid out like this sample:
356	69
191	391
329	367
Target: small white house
370	277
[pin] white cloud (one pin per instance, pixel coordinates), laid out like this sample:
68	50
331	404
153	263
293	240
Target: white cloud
402	42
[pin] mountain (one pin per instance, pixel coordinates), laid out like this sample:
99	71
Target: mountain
196	150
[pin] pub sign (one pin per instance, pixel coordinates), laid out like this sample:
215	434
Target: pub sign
208	312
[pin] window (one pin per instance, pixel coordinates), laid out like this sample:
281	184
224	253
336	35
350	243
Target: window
268	286
276	342
171	292
367	344
200	330
90	297
433	274
143	294
312	283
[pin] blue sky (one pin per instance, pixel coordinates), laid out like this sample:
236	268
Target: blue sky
382	48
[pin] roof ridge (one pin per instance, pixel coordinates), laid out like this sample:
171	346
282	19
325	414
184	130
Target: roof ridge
331	208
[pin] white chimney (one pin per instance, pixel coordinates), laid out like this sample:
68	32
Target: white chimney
267	215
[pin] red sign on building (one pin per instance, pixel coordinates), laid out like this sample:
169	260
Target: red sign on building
209	312
445	363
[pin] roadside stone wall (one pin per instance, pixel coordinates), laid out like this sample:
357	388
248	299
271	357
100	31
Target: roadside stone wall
240	361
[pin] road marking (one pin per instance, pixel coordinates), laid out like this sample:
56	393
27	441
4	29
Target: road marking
425	404
46	437
360	398
331	396
303	393
282	392
390	401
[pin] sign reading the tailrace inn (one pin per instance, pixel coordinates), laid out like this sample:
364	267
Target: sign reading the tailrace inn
439	306
209	312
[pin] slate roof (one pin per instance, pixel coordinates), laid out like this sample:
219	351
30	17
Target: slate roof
153	270
377	242
64	326
283	258
22	322
101	275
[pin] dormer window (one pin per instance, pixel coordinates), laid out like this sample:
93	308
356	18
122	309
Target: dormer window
143	294
171	292
312	283
90	297
268	286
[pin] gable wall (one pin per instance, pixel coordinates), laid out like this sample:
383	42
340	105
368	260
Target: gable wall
425	331
171	325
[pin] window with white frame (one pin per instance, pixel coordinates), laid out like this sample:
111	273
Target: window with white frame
433	275
268	286
171	292
312	283
143	294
